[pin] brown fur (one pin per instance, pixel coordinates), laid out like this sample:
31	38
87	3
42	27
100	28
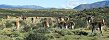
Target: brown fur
17	24
46	23
67	23
97	25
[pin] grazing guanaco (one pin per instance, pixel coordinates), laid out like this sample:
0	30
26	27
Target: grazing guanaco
17	23
71	24
62	24
97	25
103	24
89	20
46	23
66	24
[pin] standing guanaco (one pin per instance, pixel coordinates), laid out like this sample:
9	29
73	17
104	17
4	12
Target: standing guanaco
17	23
46	23
97	25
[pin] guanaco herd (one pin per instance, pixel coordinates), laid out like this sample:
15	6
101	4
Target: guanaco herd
67	23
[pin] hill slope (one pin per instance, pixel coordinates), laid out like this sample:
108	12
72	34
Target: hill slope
93	5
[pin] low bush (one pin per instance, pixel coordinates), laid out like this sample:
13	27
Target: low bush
9	24
79	32
64	32
36	36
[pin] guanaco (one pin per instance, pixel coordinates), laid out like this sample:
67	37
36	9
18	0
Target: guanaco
97	25
46	23
17	23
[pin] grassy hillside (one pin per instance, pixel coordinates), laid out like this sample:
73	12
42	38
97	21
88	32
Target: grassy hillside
44	12
36	30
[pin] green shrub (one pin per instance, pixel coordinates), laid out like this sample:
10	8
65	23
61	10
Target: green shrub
65	32
79	32
6	31
27	29
15	34
9	24
43	30
2	26
19	38
53	35
36	36
94	34
3	37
